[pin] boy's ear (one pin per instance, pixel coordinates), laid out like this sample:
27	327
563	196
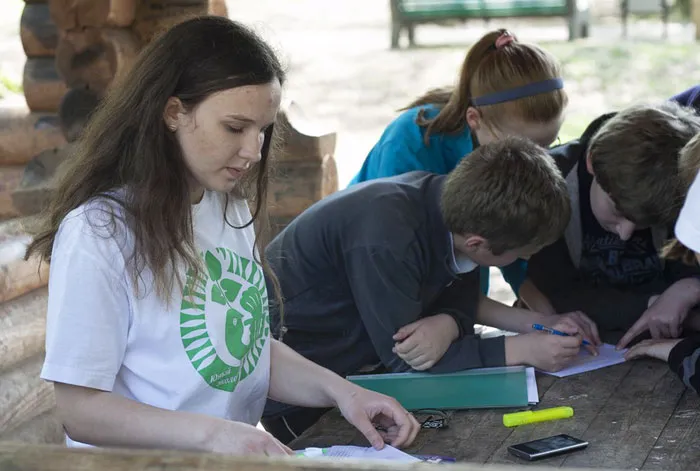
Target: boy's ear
474	242
473	118
589	164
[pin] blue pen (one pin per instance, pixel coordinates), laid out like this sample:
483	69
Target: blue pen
542	328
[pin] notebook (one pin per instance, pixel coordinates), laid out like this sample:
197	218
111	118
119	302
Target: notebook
512	386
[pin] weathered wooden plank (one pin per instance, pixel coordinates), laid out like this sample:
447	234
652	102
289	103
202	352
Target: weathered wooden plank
24	395
22	341
218	8
77	106
586	393
27	457
94	57
631	420
22	329
45	428
33	199
678	447
471	435
38	32
70	14
153	18
38	183
300	137
9	232
17	275
43	87
10	178
24	134
299	184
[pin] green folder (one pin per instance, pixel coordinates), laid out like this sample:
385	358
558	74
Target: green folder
471	389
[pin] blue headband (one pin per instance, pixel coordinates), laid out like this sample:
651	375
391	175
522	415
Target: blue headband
519	92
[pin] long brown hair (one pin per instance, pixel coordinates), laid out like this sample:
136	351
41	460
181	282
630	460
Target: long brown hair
126	145
487	69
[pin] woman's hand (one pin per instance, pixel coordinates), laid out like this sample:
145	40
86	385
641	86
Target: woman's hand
238	438
368	410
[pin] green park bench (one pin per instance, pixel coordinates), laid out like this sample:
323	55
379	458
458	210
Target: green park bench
406	14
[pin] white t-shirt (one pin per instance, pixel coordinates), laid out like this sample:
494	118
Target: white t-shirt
688	223
207	352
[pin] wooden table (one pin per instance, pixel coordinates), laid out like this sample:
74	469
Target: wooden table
635	415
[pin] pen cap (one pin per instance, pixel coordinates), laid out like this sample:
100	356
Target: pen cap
531	417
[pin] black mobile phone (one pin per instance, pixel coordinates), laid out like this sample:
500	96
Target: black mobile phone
546	447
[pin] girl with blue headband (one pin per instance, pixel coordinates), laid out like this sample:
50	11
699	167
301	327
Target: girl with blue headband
505	88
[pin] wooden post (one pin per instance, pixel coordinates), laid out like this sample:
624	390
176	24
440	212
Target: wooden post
218	8
18	456
305	167
695	14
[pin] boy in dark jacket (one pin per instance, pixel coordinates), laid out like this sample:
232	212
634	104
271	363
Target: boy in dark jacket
383	274
621	177
683	355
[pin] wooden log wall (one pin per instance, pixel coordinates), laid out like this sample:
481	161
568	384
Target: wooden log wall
75	49
27	405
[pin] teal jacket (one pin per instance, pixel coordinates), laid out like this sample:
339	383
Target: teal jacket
401	149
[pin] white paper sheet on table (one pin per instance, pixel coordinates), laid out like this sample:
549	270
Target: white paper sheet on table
607	356
388	453
533	395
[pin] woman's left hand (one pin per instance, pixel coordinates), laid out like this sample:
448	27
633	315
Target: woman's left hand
366	409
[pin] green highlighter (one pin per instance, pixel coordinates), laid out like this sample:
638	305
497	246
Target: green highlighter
311	452
471	389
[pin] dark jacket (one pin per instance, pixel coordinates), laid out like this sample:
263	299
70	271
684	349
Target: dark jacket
690	97
555	269
360	264
684	360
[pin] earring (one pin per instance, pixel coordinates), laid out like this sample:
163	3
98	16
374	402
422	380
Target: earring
172	128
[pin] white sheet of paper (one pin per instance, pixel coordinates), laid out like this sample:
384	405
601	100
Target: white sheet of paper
533	395
388	453
607	356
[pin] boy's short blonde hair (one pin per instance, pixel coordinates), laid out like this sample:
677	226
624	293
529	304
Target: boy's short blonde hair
511	193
